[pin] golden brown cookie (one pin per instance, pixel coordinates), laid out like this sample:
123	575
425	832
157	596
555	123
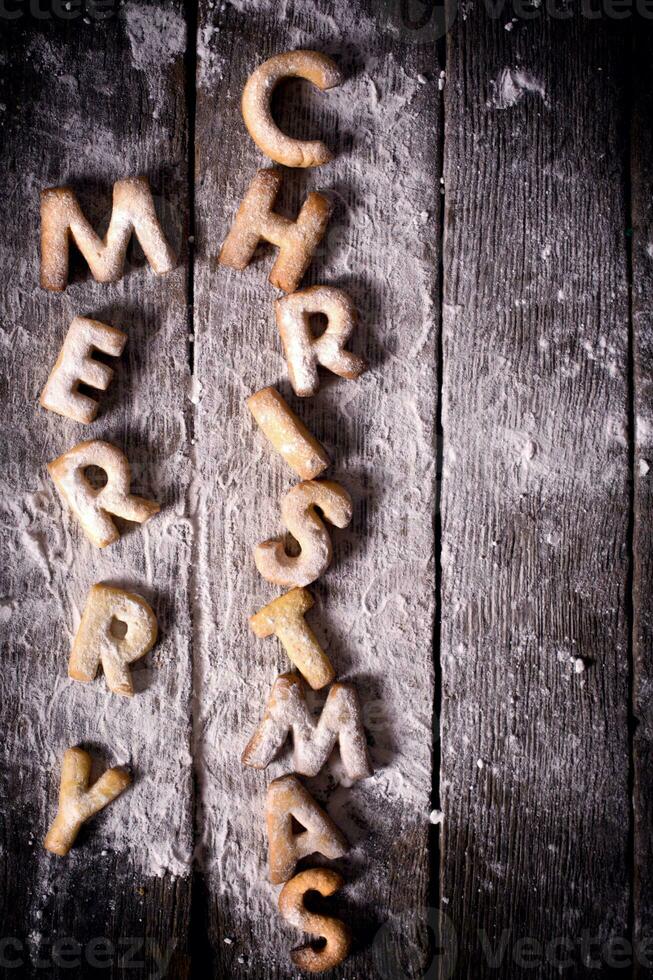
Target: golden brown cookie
284	618
288	801
288	434
77	801
76	364
304	352
317	68
293	910
98	642
256	221
299	514
91	506
287	712
62	219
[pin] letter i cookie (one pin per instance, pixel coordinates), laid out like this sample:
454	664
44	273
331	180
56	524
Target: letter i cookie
288	434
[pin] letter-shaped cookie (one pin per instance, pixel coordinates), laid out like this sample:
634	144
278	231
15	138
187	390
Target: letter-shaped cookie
294	911
288	434
284	617
286	800
340	722
92	507
133	213
97	642
316	68
304	351
77	801
256	221
298	513
76	364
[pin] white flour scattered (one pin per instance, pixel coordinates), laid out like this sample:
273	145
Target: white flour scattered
643	432
156	35
374	609
48	565
210	65
512	86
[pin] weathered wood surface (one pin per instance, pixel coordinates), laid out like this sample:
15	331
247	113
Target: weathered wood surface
539	438
642	421
535	757
83	103
375	606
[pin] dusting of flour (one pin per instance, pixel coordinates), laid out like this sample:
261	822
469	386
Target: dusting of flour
48	564
156	35
375	605
513	85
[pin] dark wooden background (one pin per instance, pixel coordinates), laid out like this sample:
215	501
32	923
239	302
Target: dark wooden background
537	504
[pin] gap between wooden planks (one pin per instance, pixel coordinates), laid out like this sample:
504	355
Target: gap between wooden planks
164	908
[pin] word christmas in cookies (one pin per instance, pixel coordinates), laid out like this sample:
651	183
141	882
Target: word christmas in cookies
76	365
299	514
93	506
100	641
77	801
133	214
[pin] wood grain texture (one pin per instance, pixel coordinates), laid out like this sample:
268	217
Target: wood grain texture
539	440
642	303
535	759
375	606
82	105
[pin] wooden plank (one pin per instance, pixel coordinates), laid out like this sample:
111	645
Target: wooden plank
642	299
376	604
88	103
535	761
